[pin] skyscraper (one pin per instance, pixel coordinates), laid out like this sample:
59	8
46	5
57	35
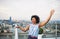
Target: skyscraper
10	20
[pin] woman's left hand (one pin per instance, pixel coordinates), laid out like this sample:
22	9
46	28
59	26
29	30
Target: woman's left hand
52	12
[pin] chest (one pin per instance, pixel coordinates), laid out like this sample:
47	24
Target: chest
34	28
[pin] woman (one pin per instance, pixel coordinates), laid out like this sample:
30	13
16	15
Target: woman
34	27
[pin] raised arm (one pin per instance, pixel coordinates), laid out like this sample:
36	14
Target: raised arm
23	29
48	18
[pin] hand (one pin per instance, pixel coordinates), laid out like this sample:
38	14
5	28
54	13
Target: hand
52	12
17	26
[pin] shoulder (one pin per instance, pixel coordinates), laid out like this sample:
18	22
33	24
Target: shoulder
39	25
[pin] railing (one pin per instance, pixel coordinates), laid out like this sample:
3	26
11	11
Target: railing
12	35
23	36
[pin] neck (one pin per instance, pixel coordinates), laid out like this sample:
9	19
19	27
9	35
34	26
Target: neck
34	23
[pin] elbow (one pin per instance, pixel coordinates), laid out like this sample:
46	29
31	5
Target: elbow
24	30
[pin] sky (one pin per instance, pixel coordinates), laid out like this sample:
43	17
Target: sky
24	9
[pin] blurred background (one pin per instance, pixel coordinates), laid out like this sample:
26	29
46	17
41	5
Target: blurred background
20	11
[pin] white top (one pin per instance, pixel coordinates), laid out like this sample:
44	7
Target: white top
34	30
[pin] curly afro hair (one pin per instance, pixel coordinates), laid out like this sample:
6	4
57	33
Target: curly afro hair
36	17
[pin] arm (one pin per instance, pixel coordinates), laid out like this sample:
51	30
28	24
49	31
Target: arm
23	29
47	20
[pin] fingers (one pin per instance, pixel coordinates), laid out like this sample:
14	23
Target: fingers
52	11
17	27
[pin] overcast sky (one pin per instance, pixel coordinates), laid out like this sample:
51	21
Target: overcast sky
24	9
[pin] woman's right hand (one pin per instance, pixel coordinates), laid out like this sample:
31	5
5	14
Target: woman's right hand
17	26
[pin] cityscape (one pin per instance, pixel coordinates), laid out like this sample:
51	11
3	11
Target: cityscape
7	26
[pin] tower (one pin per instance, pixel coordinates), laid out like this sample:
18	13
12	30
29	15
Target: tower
10	20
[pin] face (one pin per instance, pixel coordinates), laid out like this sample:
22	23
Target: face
33	20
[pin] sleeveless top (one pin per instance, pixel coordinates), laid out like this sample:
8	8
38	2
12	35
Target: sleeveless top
34	30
